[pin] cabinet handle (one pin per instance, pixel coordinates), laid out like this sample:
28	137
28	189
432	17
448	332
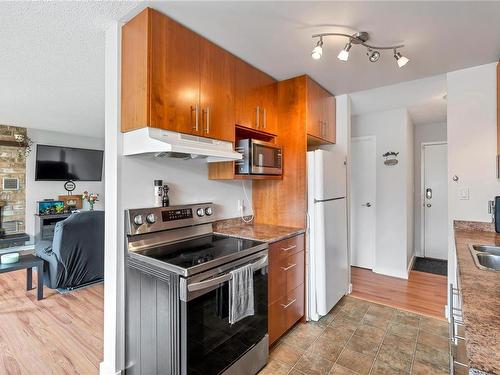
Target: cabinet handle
289	304
258	117
207	112
287	268
265	117
288	248
196	111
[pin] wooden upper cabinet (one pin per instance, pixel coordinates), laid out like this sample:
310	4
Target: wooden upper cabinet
175	75
217	116
256	99
174	79
320	112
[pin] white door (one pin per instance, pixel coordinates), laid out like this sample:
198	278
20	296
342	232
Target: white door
435	200
363	205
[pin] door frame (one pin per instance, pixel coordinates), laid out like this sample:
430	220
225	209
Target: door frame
351	208
422	188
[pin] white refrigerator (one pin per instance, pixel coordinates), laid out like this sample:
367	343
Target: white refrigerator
327	262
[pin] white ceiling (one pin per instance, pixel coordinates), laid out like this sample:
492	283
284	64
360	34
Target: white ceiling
424	98
52	60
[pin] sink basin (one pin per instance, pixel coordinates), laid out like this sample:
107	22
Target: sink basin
487	249
489	261
486	257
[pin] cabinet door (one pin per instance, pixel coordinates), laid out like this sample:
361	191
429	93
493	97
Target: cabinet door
268	105
329	116
314	109
247	94
175	76
294	307
277	277
294	269
217	92
277	320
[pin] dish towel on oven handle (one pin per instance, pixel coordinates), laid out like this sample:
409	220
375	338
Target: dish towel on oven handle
241	303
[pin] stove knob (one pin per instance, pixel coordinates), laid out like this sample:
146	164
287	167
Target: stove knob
151	218
138	220
200	212
208	211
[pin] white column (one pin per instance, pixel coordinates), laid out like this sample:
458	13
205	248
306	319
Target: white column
114	305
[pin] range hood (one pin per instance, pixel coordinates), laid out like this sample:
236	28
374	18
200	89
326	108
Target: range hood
164	143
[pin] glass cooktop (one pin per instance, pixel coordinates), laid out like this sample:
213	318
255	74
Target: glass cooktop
201	250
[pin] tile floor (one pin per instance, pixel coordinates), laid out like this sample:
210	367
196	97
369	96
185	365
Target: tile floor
360	337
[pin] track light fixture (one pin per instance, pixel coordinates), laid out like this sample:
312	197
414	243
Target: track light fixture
360	38
401	60
344	54
317	51
373	56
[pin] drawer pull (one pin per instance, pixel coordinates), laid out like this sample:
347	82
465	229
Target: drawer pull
288	304
288	248
287	268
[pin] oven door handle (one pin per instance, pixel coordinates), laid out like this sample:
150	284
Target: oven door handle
222	279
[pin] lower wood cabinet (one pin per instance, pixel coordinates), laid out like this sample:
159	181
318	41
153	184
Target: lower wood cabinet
286	285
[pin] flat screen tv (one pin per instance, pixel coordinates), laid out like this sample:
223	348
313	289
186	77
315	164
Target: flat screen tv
54	163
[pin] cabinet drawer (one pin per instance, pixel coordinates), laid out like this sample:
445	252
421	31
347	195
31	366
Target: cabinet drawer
294	270
287	247
276	320
285	312
277	284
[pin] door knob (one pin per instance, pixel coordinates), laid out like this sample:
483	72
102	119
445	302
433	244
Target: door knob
428	193
367	204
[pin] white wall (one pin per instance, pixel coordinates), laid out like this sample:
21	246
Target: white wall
188	182
423	133
39	190
472	148
410	189
392	131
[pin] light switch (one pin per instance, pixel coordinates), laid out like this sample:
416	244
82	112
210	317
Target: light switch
464	194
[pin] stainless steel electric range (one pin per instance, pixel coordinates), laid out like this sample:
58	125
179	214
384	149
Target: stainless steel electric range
177	297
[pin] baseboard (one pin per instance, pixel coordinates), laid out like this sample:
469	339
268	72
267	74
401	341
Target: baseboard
410	266
105	370
392	273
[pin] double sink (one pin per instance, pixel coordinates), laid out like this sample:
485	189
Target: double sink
486	257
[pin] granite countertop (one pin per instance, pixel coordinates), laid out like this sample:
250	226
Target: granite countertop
251	231
480	291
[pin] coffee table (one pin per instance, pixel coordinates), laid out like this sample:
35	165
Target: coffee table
28	262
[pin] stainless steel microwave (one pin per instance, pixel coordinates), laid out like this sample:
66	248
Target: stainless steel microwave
259	157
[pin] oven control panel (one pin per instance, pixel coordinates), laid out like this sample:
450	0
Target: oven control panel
181	214
148	220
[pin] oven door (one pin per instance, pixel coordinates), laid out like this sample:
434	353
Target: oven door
209	344
266	158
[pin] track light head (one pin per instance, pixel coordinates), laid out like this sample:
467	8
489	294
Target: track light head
344	54
373	56
317	51
401	60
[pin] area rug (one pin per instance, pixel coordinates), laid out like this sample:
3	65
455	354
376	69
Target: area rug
430	265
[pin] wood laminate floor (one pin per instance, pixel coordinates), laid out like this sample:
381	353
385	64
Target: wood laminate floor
423	293
61	334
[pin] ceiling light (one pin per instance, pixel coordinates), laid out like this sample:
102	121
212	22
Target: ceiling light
359	38
402	60
344	54
373	56
317	51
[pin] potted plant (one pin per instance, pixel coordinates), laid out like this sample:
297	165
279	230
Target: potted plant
91	198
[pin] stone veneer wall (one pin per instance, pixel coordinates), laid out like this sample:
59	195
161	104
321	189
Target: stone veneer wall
13	165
